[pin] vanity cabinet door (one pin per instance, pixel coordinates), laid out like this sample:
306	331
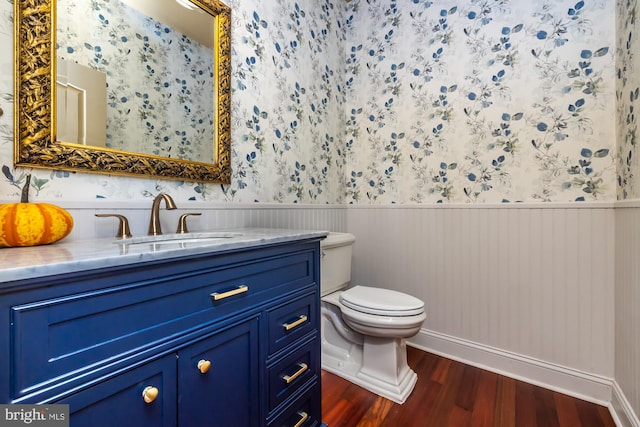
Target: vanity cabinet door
218	379
120	401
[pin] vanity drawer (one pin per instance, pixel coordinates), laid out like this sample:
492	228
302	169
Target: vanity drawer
291	373
71	335
305	411
292	321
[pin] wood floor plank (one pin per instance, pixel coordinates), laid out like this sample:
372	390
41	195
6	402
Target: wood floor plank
332	382
525	405
605	416
451	394
589	415
567	411
378	411
466	396
484	406
334	414
459	417
446	400
505	407
416	409
546	413
441	370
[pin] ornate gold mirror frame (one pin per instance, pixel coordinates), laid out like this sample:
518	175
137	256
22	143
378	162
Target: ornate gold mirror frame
34	122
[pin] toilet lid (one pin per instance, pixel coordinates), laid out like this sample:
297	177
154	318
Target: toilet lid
383	302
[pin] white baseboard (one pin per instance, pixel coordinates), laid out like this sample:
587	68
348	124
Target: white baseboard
621	410
585	386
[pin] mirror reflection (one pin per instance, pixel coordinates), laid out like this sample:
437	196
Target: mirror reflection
137	76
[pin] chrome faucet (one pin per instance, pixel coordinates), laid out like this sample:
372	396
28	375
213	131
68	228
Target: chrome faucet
154	224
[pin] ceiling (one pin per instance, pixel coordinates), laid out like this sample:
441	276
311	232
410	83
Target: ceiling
195	24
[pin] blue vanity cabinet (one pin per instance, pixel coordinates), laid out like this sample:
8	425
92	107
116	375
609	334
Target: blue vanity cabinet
226	338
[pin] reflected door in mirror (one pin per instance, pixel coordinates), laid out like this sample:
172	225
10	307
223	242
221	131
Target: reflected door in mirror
81	104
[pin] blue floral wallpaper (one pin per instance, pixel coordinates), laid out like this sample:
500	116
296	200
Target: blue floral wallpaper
159	82
480	101
288	101
627	94
416	101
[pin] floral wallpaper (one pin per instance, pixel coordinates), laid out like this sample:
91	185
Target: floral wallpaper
417	101
159	82
628	94
288	101
480	101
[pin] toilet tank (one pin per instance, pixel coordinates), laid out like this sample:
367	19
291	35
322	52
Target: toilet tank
335	262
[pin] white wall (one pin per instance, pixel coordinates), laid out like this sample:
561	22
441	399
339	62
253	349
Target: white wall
627	310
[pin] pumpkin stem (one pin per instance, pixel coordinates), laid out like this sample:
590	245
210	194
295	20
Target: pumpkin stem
24	198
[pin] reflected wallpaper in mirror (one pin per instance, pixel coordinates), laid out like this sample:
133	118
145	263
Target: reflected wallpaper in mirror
159	81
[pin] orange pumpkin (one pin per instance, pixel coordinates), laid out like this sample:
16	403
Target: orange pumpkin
31	224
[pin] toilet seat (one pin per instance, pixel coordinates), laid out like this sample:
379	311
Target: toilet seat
381	302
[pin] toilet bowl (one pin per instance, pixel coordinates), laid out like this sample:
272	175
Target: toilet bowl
364	328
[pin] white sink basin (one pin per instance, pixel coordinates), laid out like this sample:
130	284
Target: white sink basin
195	237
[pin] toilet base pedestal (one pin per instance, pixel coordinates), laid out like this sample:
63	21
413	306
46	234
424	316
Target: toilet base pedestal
383	369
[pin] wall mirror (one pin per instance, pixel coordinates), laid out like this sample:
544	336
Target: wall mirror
124	87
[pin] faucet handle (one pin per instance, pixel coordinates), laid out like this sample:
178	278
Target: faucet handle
123	227
182	222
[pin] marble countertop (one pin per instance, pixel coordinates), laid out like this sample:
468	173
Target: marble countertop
79	255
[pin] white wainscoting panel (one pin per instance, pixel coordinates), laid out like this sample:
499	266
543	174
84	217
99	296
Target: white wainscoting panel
533	280
626	399
213	217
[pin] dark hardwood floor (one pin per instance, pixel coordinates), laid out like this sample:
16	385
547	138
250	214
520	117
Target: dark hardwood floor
452	394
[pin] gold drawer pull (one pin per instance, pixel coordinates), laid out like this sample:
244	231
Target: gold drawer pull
289	378
239	290
149	394
203	366
300	321
303	417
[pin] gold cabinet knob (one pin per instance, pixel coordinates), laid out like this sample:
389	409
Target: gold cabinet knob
203	366
149	394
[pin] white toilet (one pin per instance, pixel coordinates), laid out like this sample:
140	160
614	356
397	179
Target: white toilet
364	328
